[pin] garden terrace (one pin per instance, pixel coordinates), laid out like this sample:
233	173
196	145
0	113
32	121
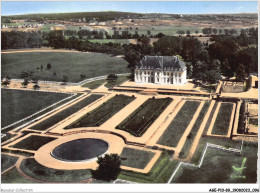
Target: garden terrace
135	158
102	113
189	140
70	64
141	119
222	122
160	172
7	161
19	104
217	167
35	170
33	142
177	127
45	124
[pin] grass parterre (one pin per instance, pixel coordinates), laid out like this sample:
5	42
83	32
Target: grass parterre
190	138
43	125
177	127
32	168
102	113
222	122
140	120
18	104
135	158
33	142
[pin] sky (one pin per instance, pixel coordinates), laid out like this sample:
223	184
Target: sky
175	7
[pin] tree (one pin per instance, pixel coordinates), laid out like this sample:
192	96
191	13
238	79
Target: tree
48	66
25	82
108	169
196	31
5	82
226	69
188	32
240	72
36	87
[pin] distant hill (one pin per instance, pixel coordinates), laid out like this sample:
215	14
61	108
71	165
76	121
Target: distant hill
110	15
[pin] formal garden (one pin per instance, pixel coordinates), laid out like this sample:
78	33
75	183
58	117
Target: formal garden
143	117
177	127
102	113
47	123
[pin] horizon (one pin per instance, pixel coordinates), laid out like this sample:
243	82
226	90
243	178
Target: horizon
11	8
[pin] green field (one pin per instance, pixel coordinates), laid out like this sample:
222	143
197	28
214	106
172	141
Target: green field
7	161
32	168
222	122
141	119
102	113
33	142
119	41
160	172
18	104
47	123
71	64
218	165
189	140
135	158
177	127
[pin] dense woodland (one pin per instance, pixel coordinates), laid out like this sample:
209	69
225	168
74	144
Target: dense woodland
225	54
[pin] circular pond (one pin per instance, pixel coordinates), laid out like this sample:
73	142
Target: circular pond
80	150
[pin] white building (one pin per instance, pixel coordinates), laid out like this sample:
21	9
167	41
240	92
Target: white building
161	70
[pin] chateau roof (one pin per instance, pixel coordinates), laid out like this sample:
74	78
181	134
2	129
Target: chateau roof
161	62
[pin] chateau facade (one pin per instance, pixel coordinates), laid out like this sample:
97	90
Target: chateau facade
161	70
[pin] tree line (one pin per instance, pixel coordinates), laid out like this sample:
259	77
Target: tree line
226	55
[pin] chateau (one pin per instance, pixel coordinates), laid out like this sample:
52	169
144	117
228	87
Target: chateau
161	70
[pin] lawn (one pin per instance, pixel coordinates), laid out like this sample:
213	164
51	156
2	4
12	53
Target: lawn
177	127
70	64
241	120
33	142
160	172
109	84
47	123
218	165
7	137
102	113
94	84
33	169
189	140
18	104
12	176
135	158
141	119
225	142
7	161
118	41
222	122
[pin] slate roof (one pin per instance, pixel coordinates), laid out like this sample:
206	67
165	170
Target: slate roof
161	62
